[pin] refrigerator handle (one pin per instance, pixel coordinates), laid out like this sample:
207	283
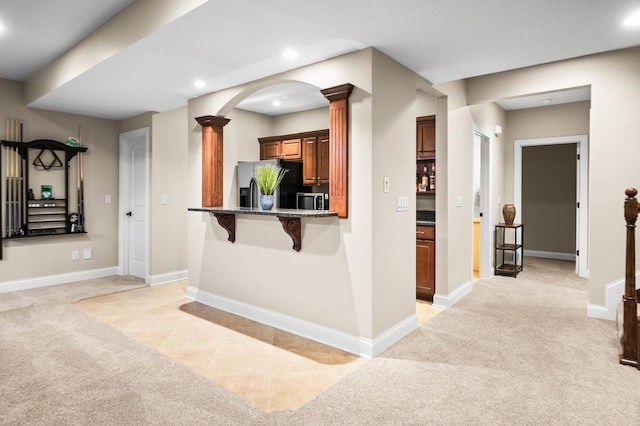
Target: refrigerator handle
253	193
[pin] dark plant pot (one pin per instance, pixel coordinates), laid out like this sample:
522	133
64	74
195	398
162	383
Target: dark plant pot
509	213
266	202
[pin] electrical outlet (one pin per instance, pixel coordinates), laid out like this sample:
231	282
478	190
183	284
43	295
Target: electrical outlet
75	255
385	184
107	199
164	200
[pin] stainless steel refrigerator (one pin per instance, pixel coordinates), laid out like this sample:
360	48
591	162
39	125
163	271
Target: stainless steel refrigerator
285	195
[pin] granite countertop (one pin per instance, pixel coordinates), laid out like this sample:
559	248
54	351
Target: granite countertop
260	212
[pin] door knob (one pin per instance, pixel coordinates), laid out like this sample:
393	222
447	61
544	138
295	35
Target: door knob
128	213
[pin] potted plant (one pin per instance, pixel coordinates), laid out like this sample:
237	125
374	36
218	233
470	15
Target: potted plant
268	178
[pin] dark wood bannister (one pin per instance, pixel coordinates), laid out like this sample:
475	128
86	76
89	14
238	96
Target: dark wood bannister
631	327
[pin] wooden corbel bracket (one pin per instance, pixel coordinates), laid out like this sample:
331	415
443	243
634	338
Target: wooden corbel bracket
228	222
293	227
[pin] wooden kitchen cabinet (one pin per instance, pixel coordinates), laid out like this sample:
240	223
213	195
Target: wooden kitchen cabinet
315	160
270	150
287	149
426	137
425	262
291	149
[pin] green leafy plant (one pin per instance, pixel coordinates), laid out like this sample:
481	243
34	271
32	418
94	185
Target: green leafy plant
269	177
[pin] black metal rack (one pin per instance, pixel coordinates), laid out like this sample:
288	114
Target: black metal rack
26	217
508	249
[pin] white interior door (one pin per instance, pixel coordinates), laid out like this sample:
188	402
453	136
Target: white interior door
134	203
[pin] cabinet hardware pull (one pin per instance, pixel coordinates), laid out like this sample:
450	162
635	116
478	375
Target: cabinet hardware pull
419	232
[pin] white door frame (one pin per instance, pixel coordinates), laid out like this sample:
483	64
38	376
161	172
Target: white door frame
485	204
124	176
582	194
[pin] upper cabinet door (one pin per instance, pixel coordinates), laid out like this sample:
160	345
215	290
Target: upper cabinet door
291	149
270	150
322	152
426	137
309	161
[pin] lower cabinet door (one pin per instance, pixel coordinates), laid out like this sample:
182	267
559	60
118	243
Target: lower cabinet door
425	268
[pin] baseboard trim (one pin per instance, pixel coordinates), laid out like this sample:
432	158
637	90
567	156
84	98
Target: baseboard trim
363	347
550	255
612	296
168	277
56	279
448	300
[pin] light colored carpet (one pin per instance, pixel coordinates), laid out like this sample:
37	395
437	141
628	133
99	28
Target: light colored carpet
70	292
514	351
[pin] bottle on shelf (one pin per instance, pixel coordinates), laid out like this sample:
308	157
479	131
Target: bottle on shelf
432	178
425	176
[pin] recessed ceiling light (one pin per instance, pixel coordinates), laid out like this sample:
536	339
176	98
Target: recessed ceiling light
290	54
547	101
199	83
632	20
2	27
276	103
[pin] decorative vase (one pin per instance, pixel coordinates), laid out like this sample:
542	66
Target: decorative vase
509	213
266	202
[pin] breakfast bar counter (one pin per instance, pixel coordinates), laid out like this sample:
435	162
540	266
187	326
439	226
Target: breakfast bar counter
289	218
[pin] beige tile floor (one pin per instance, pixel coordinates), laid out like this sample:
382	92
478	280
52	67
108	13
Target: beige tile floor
270	368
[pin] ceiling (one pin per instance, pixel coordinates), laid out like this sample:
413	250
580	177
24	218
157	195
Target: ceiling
229	43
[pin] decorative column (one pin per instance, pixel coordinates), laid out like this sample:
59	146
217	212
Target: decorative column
212	159
338	98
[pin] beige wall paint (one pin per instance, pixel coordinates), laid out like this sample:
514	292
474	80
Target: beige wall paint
612	142
343	251
45	256
394	156
486	116
168	171
138	122
454	233
339	250
315	119
549	198
543	122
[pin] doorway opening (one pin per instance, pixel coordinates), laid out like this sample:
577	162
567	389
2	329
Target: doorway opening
133	253
578	146
481	247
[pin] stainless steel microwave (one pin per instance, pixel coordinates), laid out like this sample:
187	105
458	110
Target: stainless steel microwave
312	201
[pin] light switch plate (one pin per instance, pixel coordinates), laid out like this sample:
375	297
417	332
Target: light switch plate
402	204
87	254
164	200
